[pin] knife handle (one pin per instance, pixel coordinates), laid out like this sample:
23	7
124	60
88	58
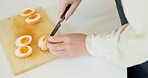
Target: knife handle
67	8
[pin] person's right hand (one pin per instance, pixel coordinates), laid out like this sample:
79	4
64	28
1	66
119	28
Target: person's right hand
63	5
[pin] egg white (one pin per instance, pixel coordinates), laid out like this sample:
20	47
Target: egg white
35	20
19	54
18	41
26	15
42	42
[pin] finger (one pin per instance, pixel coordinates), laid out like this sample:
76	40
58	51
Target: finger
71	10
58	46
59	53
63	5
56	38
67	56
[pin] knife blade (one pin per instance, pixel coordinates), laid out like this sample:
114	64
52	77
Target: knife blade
62	18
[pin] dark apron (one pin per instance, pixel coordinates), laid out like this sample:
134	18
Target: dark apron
138	71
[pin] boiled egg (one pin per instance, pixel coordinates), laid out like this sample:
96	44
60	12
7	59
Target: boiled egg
33	19
23	51
42	42
23	40
27	12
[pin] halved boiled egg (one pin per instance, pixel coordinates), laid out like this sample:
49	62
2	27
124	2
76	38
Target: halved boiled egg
23	51
33	19
27	12
42	42
23	40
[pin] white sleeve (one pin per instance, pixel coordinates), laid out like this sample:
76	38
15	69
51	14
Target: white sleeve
128	45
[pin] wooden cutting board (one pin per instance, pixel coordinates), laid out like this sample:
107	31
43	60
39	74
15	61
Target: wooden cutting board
15	26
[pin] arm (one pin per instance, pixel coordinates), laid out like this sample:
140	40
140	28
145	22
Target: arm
127	45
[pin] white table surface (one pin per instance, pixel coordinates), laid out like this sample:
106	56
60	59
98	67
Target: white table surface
92	16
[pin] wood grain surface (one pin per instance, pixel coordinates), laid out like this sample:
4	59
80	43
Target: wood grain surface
14	27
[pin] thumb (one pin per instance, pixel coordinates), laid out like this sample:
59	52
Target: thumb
57	38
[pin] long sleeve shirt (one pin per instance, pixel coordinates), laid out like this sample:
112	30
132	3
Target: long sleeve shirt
127	45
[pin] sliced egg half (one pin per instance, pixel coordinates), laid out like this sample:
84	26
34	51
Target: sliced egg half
33	19
42	42
27	12
23	40
23	51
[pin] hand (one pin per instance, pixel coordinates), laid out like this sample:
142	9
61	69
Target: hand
63	5
70	45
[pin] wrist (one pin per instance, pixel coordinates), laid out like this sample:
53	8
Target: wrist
89	45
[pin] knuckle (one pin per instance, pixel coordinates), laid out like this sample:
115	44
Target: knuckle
52	48
67	38
53	52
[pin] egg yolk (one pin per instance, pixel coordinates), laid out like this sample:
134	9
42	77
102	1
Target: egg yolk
24	50
27	11
24	40
33	16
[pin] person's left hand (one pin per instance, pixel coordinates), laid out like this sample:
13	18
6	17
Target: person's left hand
69	45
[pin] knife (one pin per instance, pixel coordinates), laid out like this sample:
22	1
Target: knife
62	18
